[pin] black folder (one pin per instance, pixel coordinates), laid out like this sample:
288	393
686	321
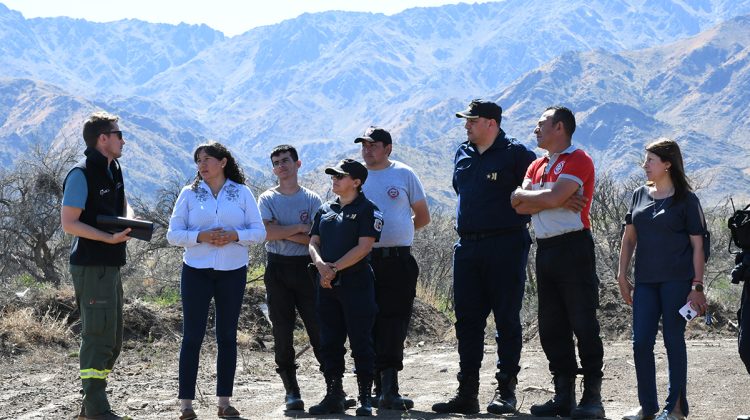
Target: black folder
139	229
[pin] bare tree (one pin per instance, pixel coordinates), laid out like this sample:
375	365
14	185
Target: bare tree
31	238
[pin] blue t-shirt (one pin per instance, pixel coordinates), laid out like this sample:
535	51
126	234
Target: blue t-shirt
663	227
76	190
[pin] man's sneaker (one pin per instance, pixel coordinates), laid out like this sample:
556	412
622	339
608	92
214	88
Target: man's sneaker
109	415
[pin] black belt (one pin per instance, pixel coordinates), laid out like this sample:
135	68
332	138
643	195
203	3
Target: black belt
563	238
288	259
475	236
392	251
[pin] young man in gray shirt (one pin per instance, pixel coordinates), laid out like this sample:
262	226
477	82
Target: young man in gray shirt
398	193
287	210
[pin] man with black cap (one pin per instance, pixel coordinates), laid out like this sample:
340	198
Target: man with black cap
489	260
342	235
396	190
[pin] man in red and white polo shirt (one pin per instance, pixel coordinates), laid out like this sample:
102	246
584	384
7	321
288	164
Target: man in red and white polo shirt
557	192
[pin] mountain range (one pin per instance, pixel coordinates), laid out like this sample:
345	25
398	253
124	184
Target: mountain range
632	70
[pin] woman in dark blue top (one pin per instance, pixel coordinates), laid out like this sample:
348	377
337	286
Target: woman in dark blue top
342	236
664	226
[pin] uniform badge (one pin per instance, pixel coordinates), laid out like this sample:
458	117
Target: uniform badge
393	192
559	168
304	217
378	224
492	176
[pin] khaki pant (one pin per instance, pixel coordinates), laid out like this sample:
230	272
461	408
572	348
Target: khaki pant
99	297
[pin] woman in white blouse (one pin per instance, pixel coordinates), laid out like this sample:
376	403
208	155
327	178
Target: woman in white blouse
214	219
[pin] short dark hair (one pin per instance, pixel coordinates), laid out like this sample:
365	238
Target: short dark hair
564	115
98	123
283	148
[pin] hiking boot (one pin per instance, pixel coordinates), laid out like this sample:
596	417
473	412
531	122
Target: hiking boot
292	399
504	401
590	406
364	384
562	403
228	412
390	398
108	415
333	402
465	401
376	389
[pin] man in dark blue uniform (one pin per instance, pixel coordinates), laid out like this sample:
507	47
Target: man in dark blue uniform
489	260
342	236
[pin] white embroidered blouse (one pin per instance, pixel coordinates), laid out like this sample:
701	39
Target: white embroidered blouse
233	209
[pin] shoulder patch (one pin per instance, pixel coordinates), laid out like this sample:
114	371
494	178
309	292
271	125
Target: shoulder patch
378	223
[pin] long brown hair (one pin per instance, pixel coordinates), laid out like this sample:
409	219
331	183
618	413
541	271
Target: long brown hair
669	151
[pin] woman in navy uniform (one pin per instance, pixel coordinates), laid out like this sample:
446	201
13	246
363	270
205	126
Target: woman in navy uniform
342	236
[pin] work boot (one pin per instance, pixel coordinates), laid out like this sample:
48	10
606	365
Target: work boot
333	402
390	398
292	399
504	401
590	406
562	403
376	389
465	401
364	383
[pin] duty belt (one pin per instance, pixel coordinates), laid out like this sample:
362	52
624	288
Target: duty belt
288	259
475	236
389	252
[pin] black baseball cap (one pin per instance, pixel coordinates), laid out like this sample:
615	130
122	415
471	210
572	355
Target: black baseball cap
373	134
484	109
349	167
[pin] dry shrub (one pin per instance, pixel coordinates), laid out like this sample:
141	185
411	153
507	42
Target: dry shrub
23	330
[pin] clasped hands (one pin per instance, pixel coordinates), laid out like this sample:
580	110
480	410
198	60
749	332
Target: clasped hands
327	274
218	236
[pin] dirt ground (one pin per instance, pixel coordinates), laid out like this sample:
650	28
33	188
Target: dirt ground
42	383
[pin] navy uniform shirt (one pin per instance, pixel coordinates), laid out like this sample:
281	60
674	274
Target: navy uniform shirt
484	183
340	227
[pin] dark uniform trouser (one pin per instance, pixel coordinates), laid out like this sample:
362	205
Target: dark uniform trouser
289	287
568	290
348	309
395	289
489	274
98	292
743	315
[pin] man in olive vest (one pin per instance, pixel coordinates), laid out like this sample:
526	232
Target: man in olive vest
94	187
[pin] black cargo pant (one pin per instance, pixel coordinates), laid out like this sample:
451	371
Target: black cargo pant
396	272
290	289
568	291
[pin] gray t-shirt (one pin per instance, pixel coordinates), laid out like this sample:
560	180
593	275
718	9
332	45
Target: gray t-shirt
297	208
663	227
394	190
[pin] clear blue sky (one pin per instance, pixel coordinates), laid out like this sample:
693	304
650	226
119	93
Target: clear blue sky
232	17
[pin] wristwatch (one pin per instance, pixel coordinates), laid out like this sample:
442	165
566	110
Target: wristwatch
698	287
334	268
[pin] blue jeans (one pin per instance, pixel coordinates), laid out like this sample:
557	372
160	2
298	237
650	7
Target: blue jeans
197	288
652	301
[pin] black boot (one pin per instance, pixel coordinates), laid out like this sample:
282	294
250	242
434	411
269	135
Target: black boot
377	389
364	383
590	406
292	398
333	402
562	403
390	398
465	401
504	401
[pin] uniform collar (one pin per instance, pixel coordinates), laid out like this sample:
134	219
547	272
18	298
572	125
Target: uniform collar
359	199
98	159
501	141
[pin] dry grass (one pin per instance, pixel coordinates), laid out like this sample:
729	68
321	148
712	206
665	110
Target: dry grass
23	330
